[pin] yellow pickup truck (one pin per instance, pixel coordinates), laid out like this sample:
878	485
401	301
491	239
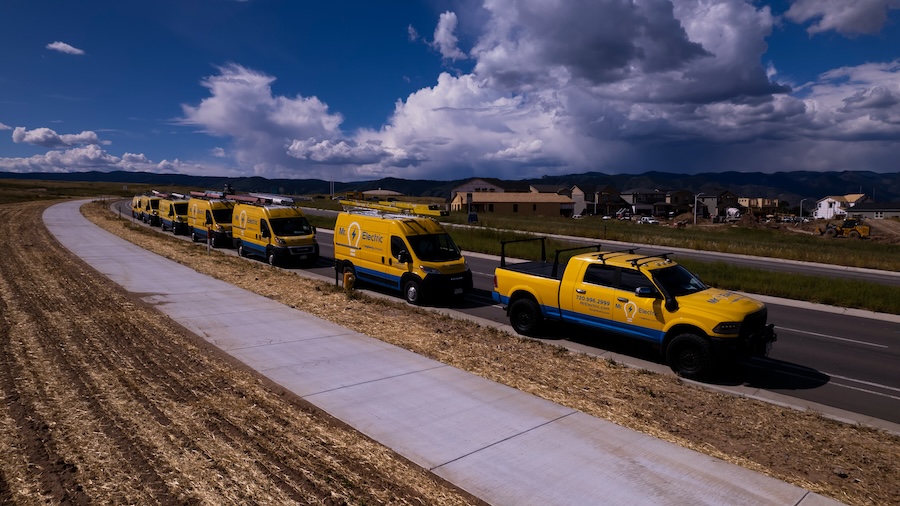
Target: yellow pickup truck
650	298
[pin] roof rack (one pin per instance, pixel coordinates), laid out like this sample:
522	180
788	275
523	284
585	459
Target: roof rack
636	262
607	254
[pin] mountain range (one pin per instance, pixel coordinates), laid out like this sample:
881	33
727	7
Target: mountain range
788	187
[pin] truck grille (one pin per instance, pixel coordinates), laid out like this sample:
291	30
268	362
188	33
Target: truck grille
754	323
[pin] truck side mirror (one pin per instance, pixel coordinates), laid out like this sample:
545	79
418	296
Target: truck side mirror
645	291
404	257
265	233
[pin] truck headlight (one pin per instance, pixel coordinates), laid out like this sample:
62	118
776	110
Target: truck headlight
727	328
429	270
281	242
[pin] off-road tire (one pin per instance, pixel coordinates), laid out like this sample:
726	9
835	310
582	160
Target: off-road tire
831	232
689	356
854	234
525	317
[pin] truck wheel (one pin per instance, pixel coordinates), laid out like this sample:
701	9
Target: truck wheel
830	232
689	355
240	248
854	234
270	255
412	292
194	237
525	317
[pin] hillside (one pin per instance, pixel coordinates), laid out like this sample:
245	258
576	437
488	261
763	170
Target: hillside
788	187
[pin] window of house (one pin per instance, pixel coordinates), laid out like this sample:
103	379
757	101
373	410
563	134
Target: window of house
879	215
490	208
534	207
515	208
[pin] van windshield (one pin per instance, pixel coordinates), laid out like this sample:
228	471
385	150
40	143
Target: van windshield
181	208
434	247
154	204
678	281
222	215
290	226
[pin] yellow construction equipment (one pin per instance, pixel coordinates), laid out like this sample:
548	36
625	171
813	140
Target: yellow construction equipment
396	207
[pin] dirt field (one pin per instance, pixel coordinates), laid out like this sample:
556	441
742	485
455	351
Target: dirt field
106	400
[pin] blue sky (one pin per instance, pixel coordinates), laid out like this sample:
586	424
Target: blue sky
441	89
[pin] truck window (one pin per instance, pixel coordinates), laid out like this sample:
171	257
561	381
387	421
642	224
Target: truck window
290	226
154	204
397	245
222	215
434	247
632	279
181	208
603	275
678	281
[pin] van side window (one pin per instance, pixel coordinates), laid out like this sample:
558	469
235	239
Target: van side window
603	275
264	228
209	217
397	245
632	279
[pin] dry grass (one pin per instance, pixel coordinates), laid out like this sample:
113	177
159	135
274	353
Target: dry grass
853	464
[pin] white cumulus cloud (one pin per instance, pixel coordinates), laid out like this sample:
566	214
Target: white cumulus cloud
50	139
847	17
445	40
62	47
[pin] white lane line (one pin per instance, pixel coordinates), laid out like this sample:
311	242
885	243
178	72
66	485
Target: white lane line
831	337
867	391
877	385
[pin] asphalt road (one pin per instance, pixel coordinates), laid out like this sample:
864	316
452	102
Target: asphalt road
822	356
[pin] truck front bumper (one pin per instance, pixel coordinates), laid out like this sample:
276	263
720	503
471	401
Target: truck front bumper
756	344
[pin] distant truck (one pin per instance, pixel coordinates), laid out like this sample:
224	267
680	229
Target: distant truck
648	298
277	233
209	218
173	214
410	254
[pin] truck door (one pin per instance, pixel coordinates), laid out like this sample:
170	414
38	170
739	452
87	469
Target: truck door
639	316
590	298
393	268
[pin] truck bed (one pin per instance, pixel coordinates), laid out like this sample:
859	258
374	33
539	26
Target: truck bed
541	269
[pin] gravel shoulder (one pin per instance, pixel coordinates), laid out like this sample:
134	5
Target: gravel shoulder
105	400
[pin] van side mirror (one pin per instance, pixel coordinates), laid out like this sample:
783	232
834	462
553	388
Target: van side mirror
404	257
208	221
265	233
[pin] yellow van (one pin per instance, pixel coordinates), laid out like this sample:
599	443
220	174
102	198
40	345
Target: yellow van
210	217
136	207
150	209
411	254
173	215
279	234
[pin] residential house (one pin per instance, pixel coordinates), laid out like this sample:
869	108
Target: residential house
489	185
597	200
513	203
644	201
759	206
837	206
877	210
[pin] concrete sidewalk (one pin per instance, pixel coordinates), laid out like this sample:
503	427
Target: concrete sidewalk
500	444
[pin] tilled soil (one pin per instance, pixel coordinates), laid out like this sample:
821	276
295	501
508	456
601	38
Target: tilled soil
111	395
104	400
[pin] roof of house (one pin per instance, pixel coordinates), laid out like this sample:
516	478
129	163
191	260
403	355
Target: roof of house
877	206
531	198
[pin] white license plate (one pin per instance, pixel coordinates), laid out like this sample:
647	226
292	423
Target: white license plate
457	291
